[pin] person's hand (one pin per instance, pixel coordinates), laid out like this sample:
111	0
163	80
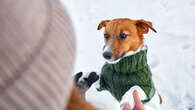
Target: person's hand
138	103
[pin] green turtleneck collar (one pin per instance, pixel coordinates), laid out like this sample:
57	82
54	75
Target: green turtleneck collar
130	64
130	71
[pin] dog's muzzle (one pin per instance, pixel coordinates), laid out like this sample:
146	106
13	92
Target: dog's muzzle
107	55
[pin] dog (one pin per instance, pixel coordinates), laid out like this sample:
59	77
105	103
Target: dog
126	67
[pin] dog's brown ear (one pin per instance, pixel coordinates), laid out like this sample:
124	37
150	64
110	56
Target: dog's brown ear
103	24
143	26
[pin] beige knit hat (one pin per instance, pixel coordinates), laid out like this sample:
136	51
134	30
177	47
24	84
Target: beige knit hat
36	55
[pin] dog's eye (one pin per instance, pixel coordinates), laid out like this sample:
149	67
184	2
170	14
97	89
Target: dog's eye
123	35
106	36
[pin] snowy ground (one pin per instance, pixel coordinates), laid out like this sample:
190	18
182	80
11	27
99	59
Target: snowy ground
171	53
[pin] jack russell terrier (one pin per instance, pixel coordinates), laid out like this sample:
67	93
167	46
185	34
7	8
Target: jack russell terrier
126	67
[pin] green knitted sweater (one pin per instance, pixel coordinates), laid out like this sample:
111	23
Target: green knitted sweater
130	71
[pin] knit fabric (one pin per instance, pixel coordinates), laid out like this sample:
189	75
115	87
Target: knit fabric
36	55
130	71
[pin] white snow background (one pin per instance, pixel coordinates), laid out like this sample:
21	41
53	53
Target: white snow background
171	53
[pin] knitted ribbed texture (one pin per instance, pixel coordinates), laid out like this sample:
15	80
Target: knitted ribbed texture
130	71
36	55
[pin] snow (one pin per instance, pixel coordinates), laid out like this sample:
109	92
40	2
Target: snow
171	52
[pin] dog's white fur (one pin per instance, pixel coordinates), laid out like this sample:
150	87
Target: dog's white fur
112	61
98	99
153	104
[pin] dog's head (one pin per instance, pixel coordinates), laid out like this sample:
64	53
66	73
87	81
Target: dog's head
122	36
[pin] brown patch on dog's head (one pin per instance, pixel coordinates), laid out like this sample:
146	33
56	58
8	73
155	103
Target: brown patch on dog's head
103	24
123	35
143	26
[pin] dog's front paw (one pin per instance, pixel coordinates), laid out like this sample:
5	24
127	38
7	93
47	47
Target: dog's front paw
128	97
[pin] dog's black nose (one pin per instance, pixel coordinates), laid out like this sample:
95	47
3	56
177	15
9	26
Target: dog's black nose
107	55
